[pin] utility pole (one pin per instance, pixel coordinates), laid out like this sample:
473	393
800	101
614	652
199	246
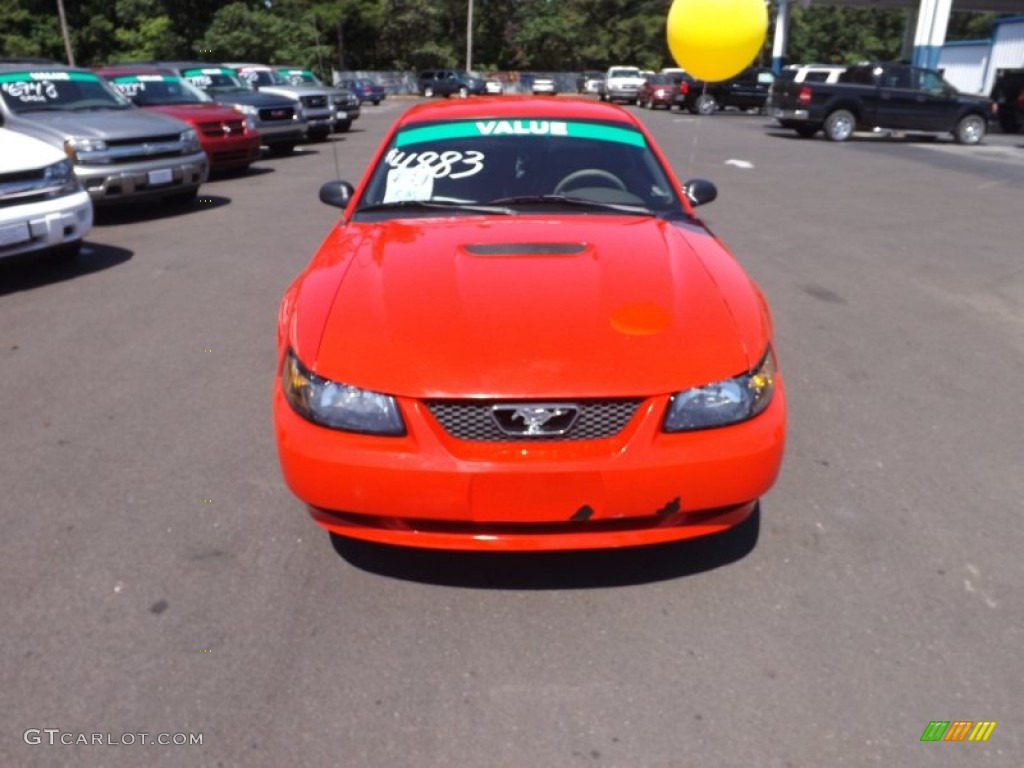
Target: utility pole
64	31
469	37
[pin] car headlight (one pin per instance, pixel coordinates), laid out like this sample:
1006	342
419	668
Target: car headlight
339	406
190	140
60	174
247	109
78	150
723	402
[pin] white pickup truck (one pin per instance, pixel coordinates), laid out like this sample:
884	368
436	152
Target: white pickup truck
622	84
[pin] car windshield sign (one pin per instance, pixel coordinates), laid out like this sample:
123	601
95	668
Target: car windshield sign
299	76
213	77
547	128
58	90
151	90
531	162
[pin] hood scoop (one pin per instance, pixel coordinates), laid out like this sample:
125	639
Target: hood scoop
526	249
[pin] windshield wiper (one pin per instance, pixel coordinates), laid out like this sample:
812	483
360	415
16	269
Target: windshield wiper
440	205
571	202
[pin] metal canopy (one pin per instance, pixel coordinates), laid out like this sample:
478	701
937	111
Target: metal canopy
993	6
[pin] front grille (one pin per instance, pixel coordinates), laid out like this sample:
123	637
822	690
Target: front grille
314	101
472	419
133	150
219	129
211	130
20	177
169	138
277	113
21	187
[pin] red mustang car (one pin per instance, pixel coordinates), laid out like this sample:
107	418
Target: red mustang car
519	337
229	138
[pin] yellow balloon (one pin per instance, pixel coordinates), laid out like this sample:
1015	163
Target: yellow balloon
716	39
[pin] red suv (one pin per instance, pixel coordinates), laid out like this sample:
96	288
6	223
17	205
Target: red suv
658	91
228	137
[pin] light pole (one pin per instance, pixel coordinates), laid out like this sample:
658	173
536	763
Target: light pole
469	37
64	31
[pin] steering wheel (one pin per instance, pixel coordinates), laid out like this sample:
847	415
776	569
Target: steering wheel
610	179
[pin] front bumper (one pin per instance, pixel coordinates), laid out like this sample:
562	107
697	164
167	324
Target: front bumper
231	151
109	184
45	225
622	94
428	489
284	132
346	115
320	122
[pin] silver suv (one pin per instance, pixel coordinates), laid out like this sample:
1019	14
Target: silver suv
345	103
315	103
120	153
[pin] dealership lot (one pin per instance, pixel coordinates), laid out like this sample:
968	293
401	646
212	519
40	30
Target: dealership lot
160	578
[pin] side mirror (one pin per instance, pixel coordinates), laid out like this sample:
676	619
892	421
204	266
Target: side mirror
700	191
337	193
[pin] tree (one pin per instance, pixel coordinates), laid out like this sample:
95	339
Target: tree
243	32
840	35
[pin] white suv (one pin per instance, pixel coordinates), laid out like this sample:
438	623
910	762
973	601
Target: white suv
622	84
43	208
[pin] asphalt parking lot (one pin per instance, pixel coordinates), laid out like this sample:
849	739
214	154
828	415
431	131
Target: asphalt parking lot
160	579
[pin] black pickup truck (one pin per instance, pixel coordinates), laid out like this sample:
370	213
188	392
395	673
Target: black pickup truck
1008	93
872	96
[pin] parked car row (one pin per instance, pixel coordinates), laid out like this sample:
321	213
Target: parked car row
73	138
676	88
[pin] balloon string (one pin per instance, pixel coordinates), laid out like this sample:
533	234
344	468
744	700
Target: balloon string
696	137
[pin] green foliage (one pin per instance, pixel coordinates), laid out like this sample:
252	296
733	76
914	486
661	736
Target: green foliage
27	30
243	32
548	35
844	35
970	26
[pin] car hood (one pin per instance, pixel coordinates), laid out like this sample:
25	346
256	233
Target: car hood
290	91
523	307
250	98
199	112
109	125
19	152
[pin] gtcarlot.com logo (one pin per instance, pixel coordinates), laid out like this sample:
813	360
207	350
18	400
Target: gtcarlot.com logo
55	736
958	730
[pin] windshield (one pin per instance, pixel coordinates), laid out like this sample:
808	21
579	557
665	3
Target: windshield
624	72
59	90
158	90
299	77
260	77
214	80
521	162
